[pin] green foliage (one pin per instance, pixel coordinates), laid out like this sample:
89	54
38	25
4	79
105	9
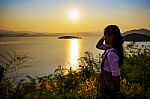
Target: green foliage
81	83
136	70
88	66
10	62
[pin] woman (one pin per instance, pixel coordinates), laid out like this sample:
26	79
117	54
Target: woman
112	59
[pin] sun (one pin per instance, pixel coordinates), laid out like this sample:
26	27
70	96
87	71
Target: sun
74	14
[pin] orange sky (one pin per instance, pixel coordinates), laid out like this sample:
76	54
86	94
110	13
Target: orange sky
52	16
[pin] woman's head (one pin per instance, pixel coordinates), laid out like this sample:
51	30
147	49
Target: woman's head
113	37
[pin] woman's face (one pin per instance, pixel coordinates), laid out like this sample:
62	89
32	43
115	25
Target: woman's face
108	39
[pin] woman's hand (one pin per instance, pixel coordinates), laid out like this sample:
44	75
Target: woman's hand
100	42
103	37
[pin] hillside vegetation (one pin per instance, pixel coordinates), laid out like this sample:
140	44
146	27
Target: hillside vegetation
69	84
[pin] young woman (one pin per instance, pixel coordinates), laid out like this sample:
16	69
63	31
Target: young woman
112	59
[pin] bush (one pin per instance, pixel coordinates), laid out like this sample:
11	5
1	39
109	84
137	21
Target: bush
67	83
136	71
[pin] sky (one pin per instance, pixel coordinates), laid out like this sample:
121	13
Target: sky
54	15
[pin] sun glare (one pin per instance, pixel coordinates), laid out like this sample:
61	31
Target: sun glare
74	14
74	53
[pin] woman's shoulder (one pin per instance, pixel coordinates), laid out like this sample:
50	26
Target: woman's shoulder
112	52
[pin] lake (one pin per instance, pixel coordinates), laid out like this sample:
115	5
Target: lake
49	52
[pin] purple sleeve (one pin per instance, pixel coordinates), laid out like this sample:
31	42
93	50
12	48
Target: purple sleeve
103	46
113	63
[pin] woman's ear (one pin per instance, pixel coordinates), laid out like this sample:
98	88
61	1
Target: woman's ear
112	37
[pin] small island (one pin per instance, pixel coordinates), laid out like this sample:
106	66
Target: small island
69	37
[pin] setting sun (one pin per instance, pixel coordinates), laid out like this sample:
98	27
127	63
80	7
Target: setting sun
74	14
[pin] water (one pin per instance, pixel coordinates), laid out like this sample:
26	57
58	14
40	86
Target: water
49	52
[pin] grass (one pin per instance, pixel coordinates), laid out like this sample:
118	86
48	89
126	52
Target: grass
135	81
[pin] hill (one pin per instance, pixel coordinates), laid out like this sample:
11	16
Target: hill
137	35
6	33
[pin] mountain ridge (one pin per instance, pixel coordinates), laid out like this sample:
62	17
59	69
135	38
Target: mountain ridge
131	35
6	33
138	31
137	35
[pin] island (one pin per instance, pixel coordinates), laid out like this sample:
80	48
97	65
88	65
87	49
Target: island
69	37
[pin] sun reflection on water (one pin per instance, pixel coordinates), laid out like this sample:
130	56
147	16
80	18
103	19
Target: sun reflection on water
74	48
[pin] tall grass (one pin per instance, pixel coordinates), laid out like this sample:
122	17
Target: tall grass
10	62
70	84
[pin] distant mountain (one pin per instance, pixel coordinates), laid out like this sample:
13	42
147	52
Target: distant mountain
137	35
6	33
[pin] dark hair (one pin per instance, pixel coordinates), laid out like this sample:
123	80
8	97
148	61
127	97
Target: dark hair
118	40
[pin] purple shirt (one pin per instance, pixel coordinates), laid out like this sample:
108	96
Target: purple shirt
111	60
